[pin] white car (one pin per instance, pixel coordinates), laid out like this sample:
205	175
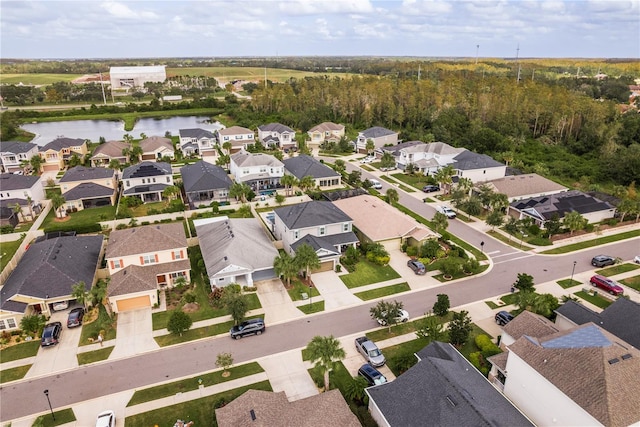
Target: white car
447	211
401	318
367	159
375	183
106	419
637	259
60	305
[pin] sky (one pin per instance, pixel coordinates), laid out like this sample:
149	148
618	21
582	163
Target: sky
274	28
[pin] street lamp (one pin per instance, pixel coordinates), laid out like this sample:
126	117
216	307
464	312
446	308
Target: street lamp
573	271
482	246
46	393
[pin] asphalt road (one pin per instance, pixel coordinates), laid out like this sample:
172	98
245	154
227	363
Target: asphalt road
66	388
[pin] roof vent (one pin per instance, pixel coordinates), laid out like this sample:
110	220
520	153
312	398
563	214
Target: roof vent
626	356
253	415
225	257
614	360
232	236
451	401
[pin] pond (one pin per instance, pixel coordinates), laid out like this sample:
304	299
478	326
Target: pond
114	130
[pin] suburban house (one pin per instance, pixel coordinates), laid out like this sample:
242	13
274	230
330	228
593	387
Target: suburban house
581	376
197	141
57	153
13	154
518	187
543	208
235	250
84	188
239	137
205	183
22	190
380	137
426	158
325	132
258	170
260	408
525	324
442	389
46	274
322	225
157	147
143	259
303	165
478	167
110	150
278	136
377	221
147	180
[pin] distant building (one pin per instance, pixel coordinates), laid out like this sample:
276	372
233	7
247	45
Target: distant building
135	77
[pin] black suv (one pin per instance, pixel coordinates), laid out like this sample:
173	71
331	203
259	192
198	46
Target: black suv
417	267
602	260
371	374
248	327
51	334
430	188
75	317
503	317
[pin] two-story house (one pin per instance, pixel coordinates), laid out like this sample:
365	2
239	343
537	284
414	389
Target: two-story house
13	154
23	190
258	170
325	132
303	165
197	141
426	158
205	183
157	147
147	180
276	135
239	137
143	259
57	153
478	167
380	137
84	188
110	150
322	225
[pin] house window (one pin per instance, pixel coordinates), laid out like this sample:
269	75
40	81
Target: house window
345	226
144	181
225	138
176	275
11	323
321	231
154	180
128	183
117	264
238	136
168	180
148	259
177	254
263	169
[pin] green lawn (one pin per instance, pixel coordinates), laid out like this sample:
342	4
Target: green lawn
7	251
94	356
632	282
197	333
20	351
596	300
314	307
298	288
103	322
568	283
384	291
367	273
63	416
188	384
512	242
200	411
405	350
416	181
617	269
80	219
401	329
14	374
592	243
37	78
142	209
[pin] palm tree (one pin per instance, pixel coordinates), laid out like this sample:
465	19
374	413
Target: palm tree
17	209
324	352
440	222
465	184
288	181
169	193
36	163
239	191
574	221
135	154
387	161
114	164
370	146
227	146
392	196
307	183
307	259
340	166
443	177
80	293
285	267
30	206
498	202
57	200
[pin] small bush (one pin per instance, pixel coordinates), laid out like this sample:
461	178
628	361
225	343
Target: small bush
412	251
6	229
145	223
249	288
589	228
478	361
121	226
190	297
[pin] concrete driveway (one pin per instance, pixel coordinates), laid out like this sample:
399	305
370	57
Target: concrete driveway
287	372
334	291
276	302
134	334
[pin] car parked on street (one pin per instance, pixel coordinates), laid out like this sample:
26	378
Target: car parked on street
430	188
602	260
248	327
367	159
371	374
637	259
417	267
503	317
402	317
450	213
106	419
375	183
75	317
606	284
51	334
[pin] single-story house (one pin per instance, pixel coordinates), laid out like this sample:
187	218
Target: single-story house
518	187
110	150
303	165
204	183
157	147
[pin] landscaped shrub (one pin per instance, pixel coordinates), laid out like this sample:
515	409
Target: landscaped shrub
451	266
478	361
377	254
471	265
533	230
6	229
540	241
190	297
589	228
145	223
429	249
78	228
412	251
121	226
215	297
487	346
402	362
249	288
130	201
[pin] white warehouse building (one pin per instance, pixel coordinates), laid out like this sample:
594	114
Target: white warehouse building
130	77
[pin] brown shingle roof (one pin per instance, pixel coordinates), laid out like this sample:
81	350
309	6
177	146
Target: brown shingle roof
528	323
137	278
154	142
234	130
525	185
145	239
326	127
111	149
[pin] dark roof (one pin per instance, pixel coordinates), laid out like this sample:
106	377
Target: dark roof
445	389
60	143
202	176
196	133
344	194
10	203
303	165
617	319
468	160
146	188
51	267
88	190
10	181
310	214
275	127
328	243
16	146
377	132
562	203
81	173
146	169
395	149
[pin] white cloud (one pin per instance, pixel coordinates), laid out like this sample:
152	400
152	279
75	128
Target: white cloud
426	7
376	31
311	7
123	11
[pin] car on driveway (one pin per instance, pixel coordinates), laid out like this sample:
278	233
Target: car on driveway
106	419
430	188
248	327
447	211
75	317
60	305
390	168
367	159
51	334
602	260
606	284
402	317
371	374
417	267
503	317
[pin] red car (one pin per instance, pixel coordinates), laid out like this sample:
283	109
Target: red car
606	284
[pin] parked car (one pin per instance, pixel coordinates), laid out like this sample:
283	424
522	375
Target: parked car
606	284
375	183
51	334
402	317
447	211
430	188
106	419
417	267
367	159
75	317
248	327
637	259
60	305
602	260
371	374
370	351
390	168
503	317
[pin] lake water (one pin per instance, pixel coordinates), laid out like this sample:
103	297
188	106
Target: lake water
114	130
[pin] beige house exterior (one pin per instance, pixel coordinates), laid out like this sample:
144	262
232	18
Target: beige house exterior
239	137
110	150
326	132
380	137
518	187
157	147
84	187
57	153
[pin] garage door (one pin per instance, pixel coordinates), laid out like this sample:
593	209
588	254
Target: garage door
49	168
263	275
325	266
134	303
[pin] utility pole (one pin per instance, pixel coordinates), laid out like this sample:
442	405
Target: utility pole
477	49
418	72
518	63
104	97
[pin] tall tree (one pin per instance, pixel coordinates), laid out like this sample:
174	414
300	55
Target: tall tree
285	267
306	259
444	177
340	166
574	221
236	302
440	222
387	161
179	322
17	209
465	184
36	163
370	146
392	196
386	312
495	219
288	181
442	305
80	293
307	182
239	191
431	329
227	146
170	193
57	200
324	352
459	328
524	282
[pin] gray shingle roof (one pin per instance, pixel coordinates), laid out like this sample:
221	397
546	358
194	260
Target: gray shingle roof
275	127
562	203
311	214
244	159
146	169
395	149
196	133
445	389
202	176
88	190
51	267
15	147
60	143
468	160
377	132
303	165
10	181
81	173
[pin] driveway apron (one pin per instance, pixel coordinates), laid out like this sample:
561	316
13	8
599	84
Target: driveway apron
276	302
334	291
135	334
287	372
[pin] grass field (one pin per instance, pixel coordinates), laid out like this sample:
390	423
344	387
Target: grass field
7	251
617	269
37	79
632	282
596	299
383	292
14	374
20	351
367	273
